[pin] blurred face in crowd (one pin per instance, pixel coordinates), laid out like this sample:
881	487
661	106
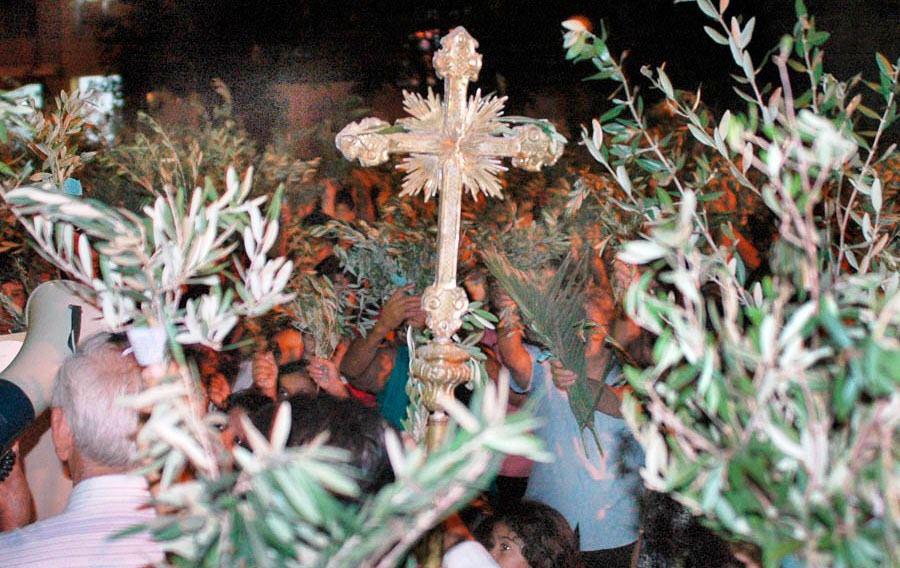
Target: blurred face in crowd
507	547
15	291
290	346
297	379
344	213
297	383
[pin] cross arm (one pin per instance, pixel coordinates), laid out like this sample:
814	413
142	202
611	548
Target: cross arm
529	146
371	142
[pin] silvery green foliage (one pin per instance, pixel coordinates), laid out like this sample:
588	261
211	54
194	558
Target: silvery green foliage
533	247
381	258
146	262
771	406
289	506
283	507
14	112
42	147
319	310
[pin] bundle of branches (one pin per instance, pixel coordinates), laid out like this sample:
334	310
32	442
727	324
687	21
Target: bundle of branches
554	311
26	134
593	201
381	257
15	111
277	166
532	246
771	404
318	139
304	506
317	309
305	249
43	149
154	152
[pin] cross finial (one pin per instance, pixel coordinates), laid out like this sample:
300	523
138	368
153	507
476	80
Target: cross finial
458	57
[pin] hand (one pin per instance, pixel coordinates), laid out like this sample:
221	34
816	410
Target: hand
418	318
475	287
508	310
265	373
502	300
455	531
562	377
218	389
398	308
290	346
325	374
16	504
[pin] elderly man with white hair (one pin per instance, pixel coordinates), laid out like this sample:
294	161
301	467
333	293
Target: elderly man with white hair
94	435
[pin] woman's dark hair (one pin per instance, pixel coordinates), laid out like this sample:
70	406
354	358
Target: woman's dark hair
250	400
548	540
345	198
350	425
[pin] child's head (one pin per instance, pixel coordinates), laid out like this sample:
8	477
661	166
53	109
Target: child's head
530	535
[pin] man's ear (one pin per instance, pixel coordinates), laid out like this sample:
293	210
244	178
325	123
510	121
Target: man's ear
63	440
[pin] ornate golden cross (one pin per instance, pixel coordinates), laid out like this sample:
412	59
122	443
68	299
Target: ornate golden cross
452	145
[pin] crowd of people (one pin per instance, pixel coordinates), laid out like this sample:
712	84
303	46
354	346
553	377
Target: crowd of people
581	509
581	502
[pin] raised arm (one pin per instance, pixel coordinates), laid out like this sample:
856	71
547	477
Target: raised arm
600	310
363	351
510	332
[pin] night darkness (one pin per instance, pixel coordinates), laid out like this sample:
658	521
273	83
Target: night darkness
184	44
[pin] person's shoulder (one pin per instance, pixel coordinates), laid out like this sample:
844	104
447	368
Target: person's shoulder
28	545
68	541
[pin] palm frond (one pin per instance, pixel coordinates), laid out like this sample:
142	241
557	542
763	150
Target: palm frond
554	312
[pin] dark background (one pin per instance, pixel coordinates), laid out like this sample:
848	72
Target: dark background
182	44
187	42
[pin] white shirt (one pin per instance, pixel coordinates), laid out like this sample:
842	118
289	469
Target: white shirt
598	493
98	508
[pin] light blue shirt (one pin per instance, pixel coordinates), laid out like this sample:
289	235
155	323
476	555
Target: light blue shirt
598	494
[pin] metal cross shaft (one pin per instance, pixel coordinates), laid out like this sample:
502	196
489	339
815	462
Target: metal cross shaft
450	146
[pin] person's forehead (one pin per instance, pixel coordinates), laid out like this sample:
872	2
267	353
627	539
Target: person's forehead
288	335
502	530
297	381
289	338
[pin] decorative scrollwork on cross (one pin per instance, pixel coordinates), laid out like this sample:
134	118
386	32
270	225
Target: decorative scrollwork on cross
445	308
